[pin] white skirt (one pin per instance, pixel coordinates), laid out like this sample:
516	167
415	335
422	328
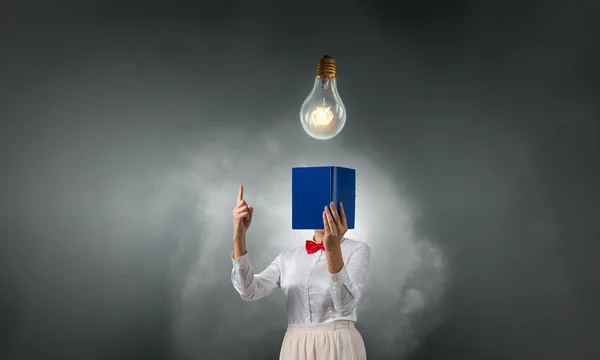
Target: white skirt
338	340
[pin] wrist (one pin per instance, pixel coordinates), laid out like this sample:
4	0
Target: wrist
332	247
239	239
239	246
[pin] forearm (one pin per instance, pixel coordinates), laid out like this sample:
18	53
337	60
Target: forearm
335	261
239	247
253	286
348	279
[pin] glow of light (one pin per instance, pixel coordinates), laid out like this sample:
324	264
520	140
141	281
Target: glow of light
321	116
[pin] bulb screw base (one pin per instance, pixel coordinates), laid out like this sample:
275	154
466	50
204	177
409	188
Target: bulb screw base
326	68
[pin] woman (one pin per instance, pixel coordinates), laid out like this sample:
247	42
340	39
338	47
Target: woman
321	282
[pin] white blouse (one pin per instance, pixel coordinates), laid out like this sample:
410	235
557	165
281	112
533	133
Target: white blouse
312	294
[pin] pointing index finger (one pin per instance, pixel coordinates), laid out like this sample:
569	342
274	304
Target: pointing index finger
240	196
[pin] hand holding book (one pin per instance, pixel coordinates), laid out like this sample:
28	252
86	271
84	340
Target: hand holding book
335	226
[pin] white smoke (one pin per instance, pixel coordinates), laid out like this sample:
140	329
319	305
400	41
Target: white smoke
406	272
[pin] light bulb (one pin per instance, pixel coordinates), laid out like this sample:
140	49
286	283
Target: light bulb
323	114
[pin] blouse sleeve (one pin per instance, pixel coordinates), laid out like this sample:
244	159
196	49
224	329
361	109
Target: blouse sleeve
346	285
253	286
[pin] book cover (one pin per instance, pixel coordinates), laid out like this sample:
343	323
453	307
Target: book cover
315	187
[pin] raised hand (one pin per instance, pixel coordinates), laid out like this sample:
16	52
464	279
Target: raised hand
335	226
242	215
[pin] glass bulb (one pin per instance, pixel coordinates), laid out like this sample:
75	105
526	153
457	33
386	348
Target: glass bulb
323	114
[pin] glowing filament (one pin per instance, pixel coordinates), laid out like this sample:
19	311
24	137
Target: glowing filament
321	116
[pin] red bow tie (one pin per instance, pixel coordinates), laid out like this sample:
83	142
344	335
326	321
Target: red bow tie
313	247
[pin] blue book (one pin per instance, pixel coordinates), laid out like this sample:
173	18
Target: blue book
313	188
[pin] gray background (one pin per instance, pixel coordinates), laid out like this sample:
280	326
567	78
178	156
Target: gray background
127	126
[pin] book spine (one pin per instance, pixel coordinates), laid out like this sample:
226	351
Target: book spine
334	186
